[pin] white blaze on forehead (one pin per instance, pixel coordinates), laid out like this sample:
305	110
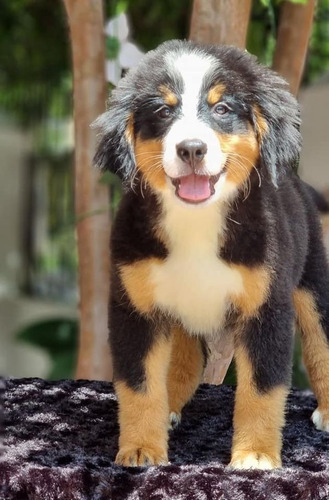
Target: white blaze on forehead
192	68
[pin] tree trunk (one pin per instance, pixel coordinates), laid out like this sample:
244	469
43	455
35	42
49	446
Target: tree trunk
91	198
220	22
293	35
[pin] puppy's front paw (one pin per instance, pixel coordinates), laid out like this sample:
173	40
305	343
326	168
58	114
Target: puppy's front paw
254	460
140	457
320	419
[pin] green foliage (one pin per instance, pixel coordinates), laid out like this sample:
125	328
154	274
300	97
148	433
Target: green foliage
262	31
268	3
114	8
34	42
317	62
154	22
58	337
112	47
34	56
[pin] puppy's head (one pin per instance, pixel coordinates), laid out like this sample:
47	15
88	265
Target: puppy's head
194	121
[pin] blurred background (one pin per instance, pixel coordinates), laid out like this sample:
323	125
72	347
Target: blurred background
38	257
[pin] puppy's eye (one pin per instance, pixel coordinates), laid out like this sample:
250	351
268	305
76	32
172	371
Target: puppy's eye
164	112
221	109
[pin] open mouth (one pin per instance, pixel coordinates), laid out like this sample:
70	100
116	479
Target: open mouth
195	188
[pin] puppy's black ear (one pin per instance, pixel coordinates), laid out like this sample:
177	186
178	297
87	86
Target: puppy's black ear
277	122
115	151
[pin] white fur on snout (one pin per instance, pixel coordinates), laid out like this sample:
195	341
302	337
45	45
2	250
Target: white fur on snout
185	129
319	421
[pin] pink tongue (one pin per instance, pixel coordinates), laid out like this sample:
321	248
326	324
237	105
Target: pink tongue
194	187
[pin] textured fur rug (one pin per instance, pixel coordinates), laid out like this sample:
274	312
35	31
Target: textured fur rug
61	439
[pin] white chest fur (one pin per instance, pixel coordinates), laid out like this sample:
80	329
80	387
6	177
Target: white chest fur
194	284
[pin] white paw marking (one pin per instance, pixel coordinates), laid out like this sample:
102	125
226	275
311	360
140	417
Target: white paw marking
320	422
253	461
174	420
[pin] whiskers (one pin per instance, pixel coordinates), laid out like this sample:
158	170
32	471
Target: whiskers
239	168
147	163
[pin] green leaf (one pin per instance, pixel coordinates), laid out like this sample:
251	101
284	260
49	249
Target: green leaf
55	335
121	6
63	365
112	47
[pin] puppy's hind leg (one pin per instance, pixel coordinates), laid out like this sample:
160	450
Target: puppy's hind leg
312	311
187	362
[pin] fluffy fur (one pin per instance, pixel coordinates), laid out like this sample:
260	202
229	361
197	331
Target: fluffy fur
215	235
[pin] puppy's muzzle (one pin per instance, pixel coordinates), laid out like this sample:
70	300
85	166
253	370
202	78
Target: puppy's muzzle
194	184
192	152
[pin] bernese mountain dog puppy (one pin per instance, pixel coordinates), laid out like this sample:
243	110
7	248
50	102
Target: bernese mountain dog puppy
215	235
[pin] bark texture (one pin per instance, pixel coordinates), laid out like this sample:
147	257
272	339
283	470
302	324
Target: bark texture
220	21
293	36
91	198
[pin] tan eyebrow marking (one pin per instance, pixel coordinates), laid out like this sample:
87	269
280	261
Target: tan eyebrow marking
169	96
215	93
261	124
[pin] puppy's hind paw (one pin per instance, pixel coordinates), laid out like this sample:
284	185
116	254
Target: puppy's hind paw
174	420
320	419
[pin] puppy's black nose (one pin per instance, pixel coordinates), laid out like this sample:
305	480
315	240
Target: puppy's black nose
191	151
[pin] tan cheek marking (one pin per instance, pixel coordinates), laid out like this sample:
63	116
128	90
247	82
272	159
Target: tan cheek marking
143	415
169	97
256	284
136	280
261	124
315	345
243	152
185	371
258	418
215	93
148	156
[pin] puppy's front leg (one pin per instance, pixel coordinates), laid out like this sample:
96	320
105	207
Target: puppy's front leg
263	359
141	357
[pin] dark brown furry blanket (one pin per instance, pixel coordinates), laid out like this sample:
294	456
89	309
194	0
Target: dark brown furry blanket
61	439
